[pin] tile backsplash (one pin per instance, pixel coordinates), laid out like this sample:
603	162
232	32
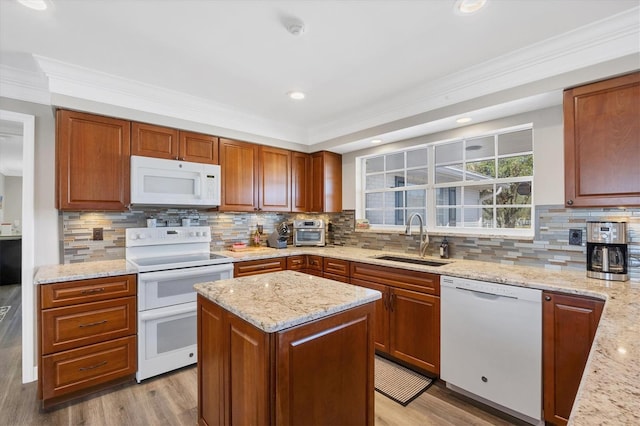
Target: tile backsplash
549	249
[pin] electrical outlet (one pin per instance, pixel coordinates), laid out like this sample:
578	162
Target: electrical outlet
97	234
575	237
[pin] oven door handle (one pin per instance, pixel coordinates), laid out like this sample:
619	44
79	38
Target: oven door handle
169	311
185	272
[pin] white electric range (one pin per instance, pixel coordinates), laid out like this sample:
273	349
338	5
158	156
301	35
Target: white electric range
170	260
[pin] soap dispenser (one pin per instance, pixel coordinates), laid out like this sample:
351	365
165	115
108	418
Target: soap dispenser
444	248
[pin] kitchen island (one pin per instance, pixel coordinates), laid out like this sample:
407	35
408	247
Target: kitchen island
285	348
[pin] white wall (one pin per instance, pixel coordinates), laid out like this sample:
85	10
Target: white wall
548	153
2	193
12	204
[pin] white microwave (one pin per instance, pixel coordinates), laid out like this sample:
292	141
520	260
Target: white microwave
160	182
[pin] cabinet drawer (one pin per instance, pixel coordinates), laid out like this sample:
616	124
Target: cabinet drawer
336	277
75	292
74	326
263	266
314	262
77	369
403	278
336	266
296	262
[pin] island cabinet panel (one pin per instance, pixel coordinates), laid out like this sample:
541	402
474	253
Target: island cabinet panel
211	366
408	315
87	336
569	326
260	266
92	162
602	143
319	385
239	168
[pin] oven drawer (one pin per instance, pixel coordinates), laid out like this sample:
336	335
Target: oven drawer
84	291
74	326
78	369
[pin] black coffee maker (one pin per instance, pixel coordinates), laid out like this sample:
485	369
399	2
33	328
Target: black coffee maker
607	255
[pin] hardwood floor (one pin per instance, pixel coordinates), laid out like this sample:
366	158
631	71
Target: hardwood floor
170	399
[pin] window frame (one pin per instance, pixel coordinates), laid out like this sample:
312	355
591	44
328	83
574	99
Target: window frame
431	209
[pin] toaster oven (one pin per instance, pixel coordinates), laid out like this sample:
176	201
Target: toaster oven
308	232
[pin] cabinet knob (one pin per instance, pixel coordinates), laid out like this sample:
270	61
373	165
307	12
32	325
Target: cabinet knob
569	202
547	298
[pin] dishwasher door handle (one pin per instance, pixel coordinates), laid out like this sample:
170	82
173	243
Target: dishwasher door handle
486	295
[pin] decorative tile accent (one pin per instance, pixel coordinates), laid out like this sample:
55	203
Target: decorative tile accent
549	249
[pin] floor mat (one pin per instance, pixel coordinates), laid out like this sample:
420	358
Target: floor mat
3	311
399	383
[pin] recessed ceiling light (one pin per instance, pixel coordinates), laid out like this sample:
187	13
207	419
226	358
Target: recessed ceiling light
466	7
463	120
34	4
296	95
376	141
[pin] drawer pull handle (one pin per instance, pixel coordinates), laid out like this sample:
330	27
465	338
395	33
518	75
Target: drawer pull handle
91	324
93	366
93	290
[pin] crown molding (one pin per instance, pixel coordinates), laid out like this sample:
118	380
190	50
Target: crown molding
605	40
30	86
83	83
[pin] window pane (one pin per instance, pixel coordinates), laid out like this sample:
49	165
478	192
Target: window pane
417	198
375	164
448	216
477	195
417	177
449	153
395	161
481	170
394	179
394	217
514	193
452	173
480	148
450	196
373	200
514	142
416	222
375	182
512	217
515	166
374	216
394	199
478	217
417	157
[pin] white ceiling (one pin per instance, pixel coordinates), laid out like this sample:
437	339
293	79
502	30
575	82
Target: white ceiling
369	68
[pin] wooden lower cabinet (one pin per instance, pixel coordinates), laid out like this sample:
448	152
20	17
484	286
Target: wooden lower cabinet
407	318
307	264
336	269
87	331
261	266
320	372
569	326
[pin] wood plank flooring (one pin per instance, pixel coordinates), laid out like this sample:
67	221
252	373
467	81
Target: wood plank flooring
170	399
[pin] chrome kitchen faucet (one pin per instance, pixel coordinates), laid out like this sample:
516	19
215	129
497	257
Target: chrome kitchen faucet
424	236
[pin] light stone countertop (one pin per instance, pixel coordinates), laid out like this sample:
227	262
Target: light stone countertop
280	300
610	388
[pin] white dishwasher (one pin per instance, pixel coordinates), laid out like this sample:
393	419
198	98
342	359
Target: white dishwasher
491	344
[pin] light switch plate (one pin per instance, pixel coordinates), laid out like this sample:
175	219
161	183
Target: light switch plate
575	237
97	234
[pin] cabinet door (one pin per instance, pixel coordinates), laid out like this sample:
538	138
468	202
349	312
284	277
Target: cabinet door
92	154
569	326
154	141
326	182
300	182
275	180
602	143
198	148
381	323
414	328
239	167
297	262
261	266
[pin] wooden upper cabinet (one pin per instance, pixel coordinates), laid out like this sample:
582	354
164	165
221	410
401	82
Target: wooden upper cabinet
149	140
326	182
274	179
602	143
92	156
239	166
300	181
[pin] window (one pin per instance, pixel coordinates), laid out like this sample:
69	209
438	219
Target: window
481	184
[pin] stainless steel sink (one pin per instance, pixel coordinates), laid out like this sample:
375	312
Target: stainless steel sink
413	260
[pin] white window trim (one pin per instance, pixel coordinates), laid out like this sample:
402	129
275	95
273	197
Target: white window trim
430	225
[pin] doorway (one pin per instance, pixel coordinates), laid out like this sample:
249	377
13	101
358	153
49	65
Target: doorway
27	224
